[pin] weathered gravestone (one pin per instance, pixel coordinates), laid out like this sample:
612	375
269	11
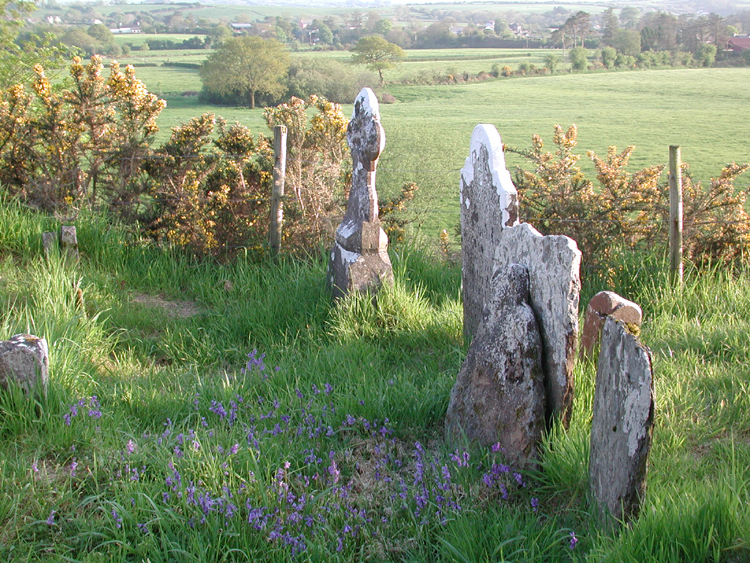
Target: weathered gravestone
359	257
24	360
622	423
554	263
489	203
602	305
499	392
69	242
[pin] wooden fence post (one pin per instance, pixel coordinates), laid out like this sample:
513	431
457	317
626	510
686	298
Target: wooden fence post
675	215
277	195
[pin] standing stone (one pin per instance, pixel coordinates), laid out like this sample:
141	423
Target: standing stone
24	359
489	203
622	423
603	304
49	242
499	392
69	242
359	257
554	263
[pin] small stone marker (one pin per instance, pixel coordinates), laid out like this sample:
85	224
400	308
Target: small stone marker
49	242
499	392
603	304
359	257
69	242
25	359
622	423
489	203
554	263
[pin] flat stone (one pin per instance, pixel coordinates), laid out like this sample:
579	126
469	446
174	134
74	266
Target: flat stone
499	392
622	423
489	203
554	263
359	258
603	304
24	359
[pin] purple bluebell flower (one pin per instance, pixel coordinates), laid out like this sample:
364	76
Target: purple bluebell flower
573	540
117	518
51	518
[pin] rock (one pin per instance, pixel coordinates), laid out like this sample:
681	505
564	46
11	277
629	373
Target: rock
489	203
69	242
622	423
359	258
25	359
554	263
603	304
499	392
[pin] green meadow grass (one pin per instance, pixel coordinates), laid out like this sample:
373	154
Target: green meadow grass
429	128
153	444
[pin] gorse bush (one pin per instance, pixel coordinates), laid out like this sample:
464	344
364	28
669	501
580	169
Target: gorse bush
627	209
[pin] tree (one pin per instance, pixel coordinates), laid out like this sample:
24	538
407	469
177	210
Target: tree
579	58
377	54
628	42
706	54
610	25
552	62
609	57
244	66
17	58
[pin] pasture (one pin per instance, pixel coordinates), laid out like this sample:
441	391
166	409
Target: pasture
429	127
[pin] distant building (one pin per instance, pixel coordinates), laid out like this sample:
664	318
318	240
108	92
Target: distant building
125	30
241	27
738	44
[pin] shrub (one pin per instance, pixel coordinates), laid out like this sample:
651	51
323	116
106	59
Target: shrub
627	209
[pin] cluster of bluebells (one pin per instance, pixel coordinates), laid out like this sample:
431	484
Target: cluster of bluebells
316	493
83	406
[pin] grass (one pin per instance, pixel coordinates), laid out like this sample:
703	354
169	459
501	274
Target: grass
273	424
429	128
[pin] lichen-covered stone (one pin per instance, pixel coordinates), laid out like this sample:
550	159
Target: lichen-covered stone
69	242
489	203
603	304
498	396
24	360
359	258
622	423
554	263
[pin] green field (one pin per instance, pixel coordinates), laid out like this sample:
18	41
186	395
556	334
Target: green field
429	127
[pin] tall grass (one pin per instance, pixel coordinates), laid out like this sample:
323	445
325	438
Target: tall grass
264	423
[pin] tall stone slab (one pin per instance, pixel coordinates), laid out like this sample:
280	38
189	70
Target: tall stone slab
489	203
499	393
622	423
359	257
24	360
554	263
69	242
602	305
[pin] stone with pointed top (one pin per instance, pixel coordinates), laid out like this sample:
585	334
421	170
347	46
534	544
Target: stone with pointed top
554	263
24	360
622	423
489	203
359	257
499	392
